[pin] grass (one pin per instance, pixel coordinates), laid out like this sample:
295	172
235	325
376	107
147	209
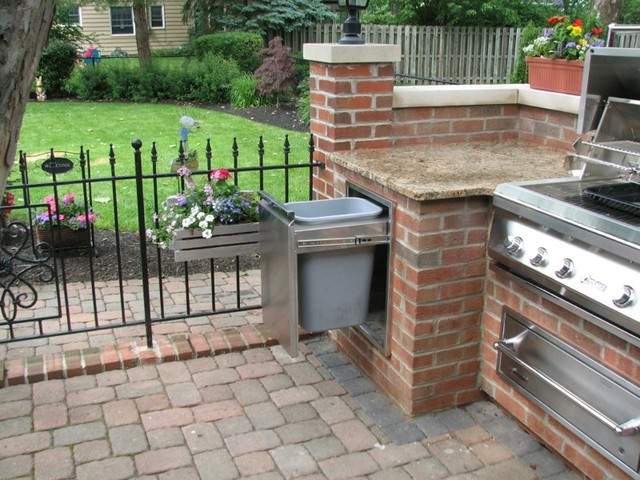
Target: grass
65	126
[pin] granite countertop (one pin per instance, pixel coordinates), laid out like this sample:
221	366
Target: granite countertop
430	172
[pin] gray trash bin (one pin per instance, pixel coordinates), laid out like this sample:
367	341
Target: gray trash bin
317	260
334	285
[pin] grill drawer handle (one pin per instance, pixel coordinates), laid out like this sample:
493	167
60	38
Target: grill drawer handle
630	427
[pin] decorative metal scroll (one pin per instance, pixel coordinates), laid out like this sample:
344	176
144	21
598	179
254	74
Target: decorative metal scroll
21	263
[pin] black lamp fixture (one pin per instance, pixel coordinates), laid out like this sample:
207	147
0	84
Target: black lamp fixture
351	28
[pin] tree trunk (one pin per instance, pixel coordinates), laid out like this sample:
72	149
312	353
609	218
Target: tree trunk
609	11
24	29
141	19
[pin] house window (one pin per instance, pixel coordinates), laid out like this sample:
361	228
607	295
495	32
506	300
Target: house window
75	16
122	21
156	16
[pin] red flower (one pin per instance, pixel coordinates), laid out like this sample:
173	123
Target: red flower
553	20
577	23
597	31
220	174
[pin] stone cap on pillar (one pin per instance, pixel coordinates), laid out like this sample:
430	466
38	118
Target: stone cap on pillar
333	53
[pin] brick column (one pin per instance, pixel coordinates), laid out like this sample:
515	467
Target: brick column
351	95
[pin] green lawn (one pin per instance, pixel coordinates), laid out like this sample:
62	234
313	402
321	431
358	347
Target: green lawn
65	126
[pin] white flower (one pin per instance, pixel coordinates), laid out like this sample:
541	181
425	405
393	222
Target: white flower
200	215
186	222
209	218
203	224
208	233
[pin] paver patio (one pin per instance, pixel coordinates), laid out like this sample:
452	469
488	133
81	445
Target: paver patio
255	414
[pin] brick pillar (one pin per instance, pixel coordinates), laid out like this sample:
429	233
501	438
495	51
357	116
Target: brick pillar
351	95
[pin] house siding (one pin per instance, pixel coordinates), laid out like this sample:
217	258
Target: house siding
97	22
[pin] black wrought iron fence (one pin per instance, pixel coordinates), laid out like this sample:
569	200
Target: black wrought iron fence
103	275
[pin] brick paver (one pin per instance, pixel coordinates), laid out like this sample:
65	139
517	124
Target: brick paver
254	414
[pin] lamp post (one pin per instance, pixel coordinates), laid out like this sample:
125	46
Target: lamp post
351	28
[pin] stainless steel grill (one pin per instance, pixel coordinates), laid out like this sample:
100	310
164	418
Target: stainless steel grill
576	242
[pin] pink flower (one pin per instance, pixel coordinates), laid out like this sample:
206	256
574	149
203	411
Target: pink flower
69	198
92	218
51	201
220	174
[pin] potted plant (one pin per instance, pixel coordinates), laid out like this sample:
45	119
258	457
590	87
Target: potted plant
555	60
65	224
215	220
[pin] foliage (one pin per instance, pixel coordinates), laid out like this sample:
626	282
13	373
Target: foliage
118	53
264	16
529	34
56	65
216	203
68	213
242	47
567	39
631	12
243	92
63	30
276	75
181	51
304	101
479	13
193	81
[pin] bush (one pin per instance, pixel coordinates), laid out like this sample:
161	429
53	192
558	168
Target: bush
193	81
276	75
243	92
304	101
529	34
56	66
243	47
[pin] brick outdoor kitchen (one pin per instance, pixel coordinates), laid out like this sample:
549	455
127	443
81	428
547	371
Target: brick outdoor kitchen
437	153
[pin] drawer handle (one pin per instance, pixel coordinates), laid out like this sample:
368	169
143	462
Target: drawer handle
630	427
516	373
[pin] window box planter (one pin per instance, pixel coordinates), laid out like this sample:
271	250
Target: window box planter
227	241
555	75
63	238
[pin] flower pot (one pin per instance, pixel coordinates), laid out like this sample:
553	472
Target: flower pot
555	75
227	241
62	238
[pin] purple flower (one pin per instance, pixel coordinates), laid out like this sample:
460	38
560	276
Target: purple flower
570	45
183	171
181	198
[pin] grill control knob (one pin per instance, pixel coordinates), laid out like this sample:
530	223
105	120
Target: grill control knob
513	245
626	298
566	270
540	259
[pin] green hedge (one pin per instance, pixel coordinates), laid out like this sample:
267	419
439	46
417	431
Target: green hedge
56	66
243	47
206	81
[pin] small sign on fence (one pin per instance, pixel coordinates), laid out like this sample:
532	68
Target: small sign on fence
57	165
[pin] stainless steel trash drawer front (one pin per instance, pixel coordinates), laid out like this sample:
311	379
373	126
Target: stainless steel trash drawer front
594	402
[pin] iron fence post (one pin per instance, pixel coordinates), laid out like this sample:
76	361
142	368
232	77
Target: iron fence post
137	144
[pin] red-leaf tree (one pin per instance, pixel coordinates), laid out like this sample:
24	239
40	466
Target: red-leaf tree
277	74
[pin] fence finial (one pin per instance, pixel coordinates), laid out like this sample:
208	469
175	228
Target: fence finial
136	144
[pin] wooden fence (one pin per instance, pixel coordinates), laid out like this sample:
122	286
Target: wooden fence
464	55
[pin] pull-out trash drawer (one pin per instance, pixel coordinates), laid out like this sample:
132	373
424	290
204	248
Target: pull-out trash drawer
317	262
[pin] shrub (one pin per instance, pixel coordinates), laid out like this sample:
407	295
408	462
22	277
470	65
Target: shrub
529	34
304	101
243	47
193	81
276	75
90	84
243	92
56	66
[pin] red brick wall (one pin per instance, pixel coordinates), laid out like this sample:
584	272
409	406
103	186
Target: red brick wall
619	356
436	295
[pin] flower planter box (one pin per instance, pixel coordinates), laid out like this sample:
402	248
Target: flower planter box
555	75
227	241
63	238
